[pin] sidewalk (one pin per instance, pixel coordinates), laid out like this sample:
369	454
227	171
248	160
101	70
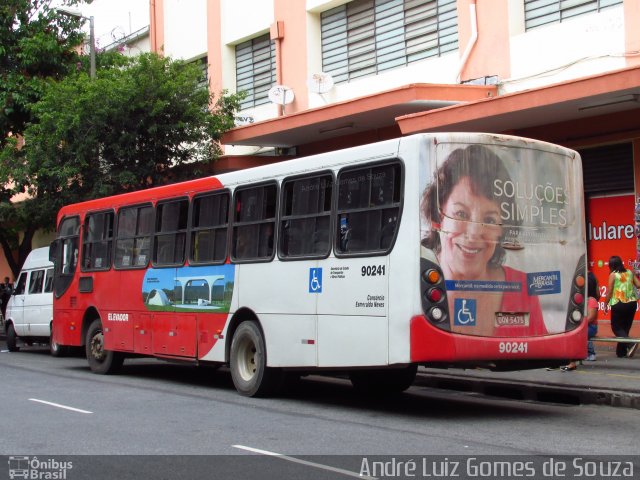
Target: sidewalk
608	381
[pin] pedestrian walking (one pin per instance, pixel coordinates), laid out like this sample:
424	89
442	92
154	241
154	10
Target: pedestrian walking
623	301
6	290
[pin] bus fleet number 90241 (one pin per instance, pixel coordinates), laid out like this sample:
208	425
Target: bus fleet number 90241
513	347
372	270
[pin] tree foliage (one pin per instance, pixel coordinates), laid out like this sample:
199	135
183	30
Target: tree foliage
37	45
128	129
131	127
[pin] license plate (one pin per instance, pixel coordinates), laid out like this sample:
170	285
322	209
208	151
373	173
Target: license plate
512	319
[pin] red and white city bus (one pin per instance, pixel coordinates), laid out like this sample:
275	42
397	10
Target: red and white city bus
447	249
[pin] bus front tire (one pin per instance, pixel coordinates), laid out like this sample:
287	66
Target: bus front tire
248	363
12	339
383	381
101	361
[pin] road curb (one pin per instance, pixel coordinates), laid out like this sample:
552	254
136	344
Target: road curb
533	391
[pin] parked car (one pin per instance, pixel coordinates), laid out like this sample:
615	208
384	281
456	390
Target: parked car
30	309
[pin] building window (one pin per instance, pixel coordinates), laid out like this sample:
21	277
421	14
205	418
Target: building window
255	70
367	37
203	64
542	12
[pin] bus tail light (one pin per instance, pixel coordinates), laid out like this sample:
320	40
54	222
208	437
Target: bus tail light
436	314
434	296
576	306
431	276
576	316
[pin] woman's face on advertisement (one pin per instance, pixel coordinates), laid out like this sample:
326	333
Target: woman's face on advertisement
470	232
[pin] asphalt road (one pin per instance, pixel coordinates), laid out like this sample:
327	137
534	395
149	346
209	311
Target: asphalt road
54	408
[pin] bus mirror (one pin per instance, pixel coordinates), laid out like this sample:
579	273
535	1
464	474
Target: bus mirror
53	248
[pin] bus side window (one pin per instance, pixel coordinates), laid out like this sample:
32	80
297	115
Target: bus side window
369	202
254	222
133	236
97	241
305	216
209	223
171	232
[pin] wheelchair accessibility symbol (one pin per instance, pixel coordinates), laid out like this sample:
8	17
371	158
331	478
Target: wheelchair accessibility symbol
464	312
315	280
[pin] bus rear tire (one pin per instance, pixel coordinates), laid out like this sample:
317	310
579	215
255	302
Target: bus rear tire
248	363
383	381
101	361
12	339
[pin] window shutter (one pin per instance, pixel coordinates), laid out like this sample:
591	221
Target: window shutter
542	12
608	169
255	70
366	37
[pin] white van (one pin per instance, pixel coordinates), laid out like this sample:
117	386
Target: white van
30	308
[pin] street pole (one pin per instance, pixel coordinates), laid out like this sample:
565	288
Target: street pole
92	37
92	49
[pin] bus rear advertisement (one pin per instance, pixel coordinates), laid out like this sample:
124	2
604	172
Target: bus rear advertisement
447	249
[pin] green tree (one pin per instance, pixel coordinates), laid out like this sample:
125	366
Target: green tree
37	45
141	122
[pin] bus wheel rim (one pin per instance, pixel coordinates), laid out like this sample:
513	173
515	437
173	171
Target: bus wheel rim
97	346
247	364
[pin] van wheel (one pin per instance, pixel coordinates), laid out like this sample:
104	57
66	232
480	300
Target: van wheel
249	370
101	361
383	381
55	349
12	339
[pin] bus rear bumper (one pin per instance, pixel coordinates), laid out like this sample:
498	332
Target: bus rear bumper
431	345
